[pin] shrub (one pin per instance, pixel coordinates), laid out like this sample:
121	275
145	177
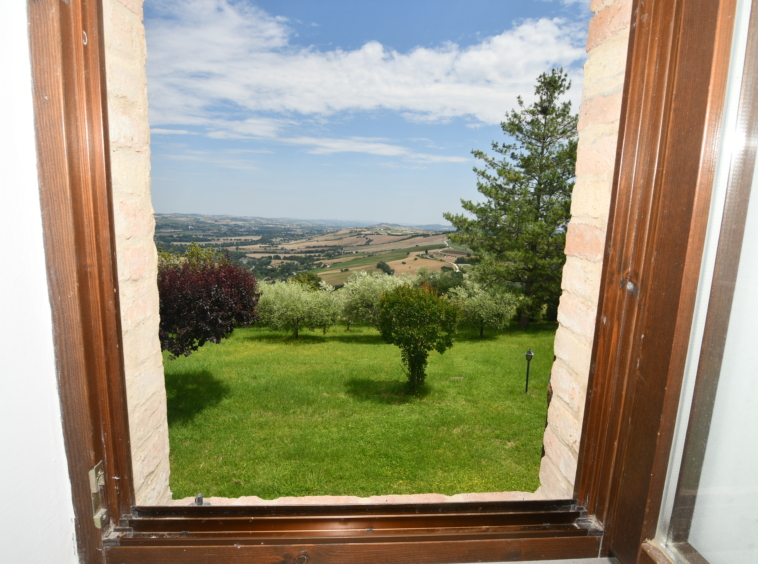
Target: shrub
327	307
484	307
288	306
361	293
310	280
203	297
384	267
440	282
418	321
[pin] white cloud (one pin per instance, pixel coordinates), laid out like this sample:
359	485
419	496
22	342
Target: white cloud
219	160
230	68
171	131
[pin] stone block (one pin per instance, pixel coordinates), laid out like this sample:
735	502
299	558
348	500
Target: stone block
582	278
570	389
605	67
596	153
128	130
130	169
562	457
591	197
354	500
123	33
577	316
574	352
564	425
585	241
553	485
597	5
135	6
601	109
126	81
612	19
132	223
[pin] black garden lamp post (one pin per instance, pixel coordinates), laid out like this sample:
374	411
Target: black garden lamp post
529	356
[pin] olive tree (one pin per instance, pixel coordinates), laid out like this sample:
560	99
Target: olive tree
361	293
285	307
292	306
418	321
483	307
326	305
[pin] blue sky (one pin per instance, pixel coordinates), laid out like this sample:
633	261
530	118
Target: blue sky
341	109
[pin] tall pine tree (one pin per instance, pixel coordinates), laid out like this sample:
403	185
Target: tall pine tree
519	231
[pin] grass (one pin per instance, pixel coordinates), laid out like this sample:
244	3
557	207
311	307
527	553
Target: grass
264	414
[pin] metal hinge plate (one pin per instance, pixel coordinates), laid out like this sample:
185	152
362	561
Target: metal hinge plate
96	486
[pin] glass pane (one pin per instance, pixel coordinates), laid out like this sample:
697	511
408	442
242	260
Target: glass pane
724	522
708	510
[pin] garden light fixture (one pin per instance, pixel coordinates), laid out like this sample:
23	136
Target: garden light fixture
529	356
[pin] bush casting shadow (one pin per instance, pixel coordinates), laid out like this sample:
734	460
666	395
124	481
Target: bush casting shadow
370	339
308	339
390	392
190	393
470	333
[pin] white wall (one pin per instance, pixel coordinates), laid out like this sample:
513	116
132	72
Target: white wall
36	524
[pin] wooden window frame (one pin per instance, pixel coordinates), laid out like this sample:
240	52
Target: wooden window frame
670	129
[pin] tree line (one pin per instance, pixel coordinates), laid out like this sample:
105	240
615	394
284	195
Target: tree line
203	297
517	234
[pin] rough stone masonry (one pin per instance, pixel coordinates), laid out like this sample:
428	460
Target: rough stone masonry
599	115
136	256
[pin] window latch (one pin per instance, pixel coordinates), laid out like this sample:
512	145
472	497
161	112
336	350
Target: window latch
96	485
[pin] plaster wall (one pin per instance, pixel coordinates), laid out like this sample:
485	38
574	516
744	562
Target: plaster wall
137	260
599	116
37	524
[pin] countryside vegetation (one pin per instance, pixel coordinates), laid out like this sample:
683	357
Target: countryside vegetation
307	358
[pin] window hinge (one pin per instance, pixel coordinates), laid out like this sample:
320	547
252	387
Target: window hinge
96	484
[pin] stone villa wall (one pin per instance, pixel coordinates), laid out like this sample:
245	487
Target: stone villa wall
125	55
598	130
137	261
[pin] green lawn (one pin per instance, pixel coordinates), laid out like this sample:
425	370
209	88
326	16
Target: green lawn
263	414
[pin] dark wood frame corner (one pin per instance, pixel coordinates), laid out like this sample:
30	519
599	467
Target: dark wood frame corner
671	117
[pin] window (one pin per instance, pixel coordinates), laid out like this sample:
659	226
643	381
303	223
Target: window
670	131
707	506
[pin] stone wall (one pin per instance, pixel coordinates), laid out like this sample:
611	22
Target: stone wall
125	55
598	130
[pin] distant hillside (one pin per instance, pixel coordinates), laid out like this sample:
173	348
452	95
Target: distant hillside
186	219
435	227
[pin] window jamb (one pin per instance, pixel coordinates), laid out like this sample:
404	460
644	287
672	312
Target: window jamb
69	90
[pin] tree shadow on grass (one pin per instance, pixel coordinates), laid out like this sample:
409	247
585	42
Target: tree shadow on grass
286	338
467	335
312	338
190	393
471	334
388	392
357	338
